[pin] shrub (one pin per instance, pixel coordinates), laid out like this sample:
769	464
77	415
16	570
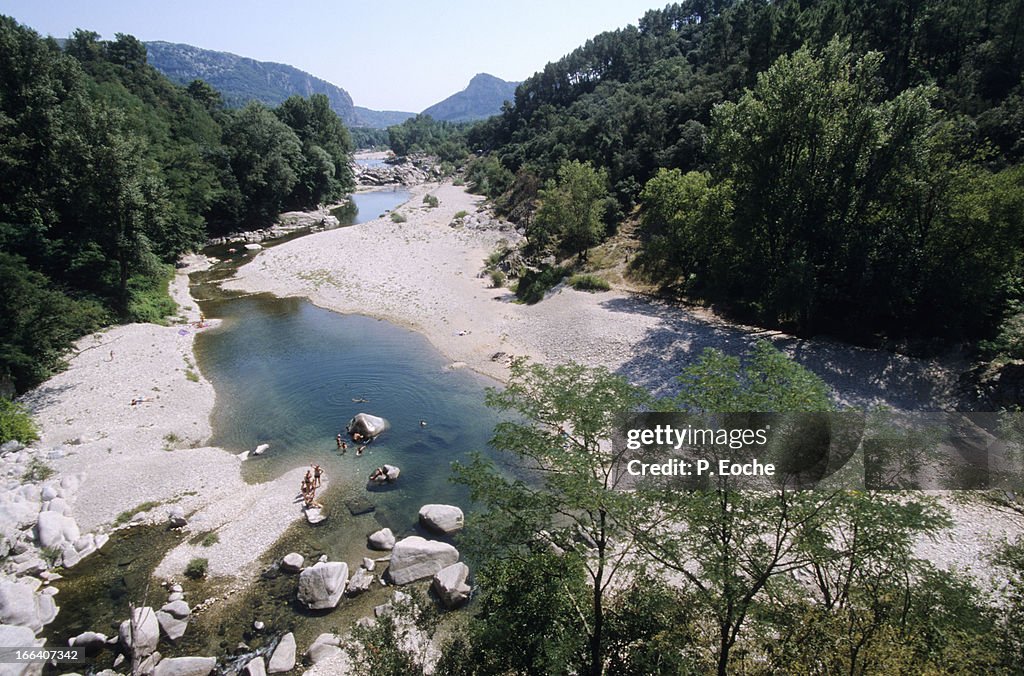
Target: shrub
461	215
497	279
197	568
16	423
588	283
37	471
397	217
210	539
533	284
431	201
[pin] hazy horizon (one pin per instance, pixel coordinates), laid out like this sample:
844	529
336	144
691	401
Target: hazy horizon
404	56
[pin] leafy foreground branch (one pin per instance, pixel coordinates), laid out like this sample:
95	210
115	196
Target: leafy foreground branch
578	575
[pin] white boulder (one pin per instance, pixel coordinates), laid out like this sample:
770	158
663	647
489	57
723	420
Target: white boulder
321	585
415	558
444	519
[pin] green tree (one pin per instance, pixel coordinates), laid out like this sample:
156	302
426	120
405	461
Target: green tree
325	173
566	416
265	155
573	207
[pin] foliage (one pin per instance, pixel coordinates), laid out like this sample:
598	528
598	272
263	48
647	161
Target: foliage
111	172
397	217
572	209
365	138
498	279
197	568
533	284
844	167
565	417
589	283
394	643
424	134
523	593
209	539
431	201
37	470
16	422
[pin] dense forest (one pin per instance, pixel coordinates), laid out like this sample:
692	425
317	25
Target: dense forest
835	166
109	172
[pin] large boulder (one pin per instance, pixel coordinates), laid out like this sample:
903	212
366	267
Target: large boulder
321	585
444	519
54	529
366	426
450	585
283	658
382	540
146	635
21	605
173	619
324	647
185	666
415	558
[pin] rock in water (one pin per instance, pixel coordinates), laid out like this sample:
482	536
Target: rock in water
444	519
450	585
90	641
292	563
360	582
255	667
367	426
314	515
382	540
185	666
414	558
321	585
359	506
261	449
283	658
147	632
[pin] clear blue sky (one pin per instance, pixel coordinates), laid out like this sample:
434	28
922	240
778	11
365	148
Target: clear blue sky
399	55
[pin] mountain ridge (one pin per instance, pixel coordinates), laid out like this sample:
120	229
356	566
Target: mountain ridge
483	97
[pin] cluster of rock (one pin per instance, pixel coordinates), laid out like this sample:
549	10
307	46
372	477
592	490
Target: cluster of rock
483	219
287	224
37	533
138	638
410	170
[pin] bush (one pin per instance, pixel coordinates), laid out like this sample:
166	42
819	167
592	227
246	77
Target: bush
461	215
209	540
588	283
533	284
497	279
197	568
37	471
431	201
397	217
16	423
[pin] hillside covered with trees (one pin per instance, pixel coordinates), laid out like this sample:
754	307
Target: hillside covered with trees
839	167
109	172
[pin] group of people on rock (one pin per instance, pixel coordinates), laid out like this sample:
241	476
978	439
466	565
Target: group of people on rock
310	483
